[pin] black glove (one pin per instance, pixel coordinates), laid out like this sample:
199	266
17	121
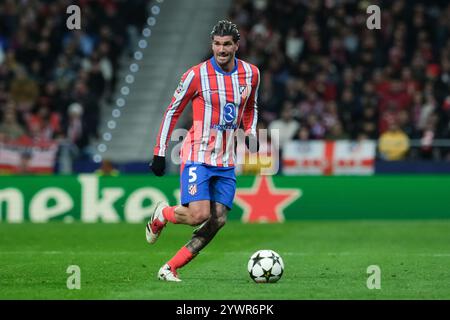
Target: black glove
158	165
252	143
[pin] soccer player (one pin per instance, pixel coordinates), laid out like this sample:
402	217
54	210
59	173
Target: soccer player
223	91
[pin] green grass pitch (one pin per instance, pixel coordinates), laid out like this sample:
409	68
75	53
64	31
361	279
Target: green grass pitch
323	260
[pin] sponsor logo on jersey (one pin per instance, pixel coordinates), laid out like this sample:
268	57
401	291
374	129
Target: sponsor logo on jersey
213	91
229	113
223	127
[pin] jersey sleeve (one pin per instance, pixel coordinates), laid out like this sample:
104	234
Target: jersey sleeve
250	117
185	91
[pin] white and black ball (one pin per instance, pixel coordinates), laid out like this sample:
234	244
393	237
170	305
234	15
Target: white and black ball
265	266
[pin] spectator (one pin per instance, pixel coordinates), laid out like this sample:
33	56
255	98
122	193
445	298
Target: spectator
425	112
45	122
330	117
107	169
426	140
394	143
348	109
337	133
317	129
311	105
304	139
10	127
24	165
24	90
286	125
368	123
303	135
405	123
75	126
88	101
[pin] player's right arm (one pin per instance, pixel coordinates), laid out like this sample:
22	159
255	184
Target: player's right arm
185	91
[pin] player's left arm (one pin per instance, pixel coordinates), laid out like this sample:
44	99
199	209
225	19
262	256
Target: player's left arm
250	116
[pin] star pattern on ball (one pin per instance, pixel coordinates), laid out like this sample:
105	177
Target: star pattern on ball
257	260
267	274
275	258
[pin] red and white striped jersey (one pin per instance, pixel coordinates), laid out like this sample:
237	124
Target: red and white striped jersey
220	101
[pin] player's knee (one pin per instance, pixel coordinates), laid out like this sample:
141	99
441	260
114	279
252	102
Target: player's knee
199	216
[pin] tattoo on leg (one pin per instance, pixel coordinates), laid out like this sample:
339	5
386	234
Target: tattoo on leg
206	233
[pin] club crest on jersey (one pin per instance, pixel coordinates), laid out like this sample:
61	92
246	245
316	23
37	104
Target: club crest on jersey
192	189
244	91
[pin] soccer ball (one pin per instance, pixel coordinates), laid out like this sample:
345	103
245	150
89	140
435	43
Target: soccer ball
265	266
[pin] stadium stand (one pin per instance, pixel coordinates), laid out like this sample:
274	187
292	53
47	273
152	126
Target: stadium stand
324	74
341	79
54	80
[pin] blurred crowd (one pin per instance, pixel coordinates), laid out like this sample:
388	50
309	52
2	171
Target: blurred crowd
52	79
325	75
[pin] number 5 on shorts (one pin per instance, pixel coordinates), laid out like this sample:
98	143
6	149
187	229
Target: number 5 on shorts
192	174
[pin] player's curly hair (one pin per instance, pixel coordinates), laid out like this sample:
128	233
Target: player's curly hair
226	28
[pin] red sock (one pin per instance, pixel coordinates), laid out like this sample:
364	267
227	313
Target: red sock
182	257
169	214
